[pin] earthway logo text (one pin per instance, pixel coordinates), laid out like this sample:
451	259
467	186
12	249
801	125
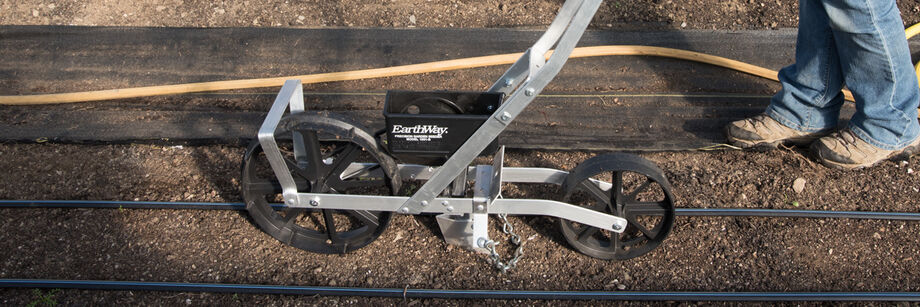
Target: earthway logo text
419	129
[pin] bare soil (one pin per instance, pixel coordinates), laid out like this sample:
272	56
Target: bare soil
642	14
707	254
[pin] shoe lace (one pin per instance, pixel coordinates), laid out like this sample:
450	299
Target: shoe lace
760	119
847	137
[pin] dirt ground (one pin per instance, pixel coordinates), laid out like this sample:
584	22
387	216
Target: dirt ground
642	14
702	254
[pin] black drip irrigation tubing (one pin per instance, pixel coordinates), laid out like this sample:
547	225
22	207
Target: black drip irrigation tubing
95	204
407	293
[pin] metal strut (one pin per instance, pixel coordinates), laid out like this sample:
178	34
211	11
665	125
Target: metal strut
565	32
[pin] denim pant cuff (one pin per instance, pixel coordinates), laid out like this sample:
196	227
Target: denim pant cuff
865	137
779	117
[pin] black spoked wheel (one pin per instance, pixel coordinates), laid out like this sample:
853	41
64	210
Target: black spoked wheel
338	157
637	191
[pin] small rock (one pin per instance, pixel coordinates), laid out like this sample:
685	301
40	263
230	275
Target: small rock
52	6
877	236
798	185
412	19
683	24
621	287
301	17
160	8
910	171
34	13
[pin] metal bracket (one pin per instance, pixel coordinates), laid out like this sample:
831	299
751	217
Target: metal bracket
498	163
291	95
482	195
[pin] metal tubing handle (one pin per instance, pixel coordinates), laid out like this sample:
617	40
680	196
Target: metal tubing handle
574	26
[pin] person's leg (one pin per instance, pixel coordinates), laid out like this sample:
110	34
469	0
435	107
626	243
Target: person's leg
808	105
811	97
876	64
875	61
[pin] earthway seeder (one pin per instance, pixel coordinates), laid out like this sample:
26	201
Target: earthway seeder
321	182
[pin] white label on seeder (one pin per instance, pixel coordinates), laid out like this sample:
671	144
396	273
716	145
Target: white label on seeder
418	132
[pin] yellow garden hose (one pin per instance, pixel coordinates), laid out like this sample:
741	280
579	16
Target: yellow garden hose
465	63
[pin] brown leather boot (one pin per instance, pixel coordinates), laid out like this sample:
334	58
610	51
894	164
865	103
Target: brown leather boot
844	150
764	131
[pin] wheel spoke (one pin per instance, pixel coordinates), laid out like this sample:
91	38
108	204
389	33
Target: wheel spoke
330	226
367	172
616	191
586	233
646	208
347	155
291	214
635	223
368	218
615	244
296	170
645	185
596	191
312	154
264	186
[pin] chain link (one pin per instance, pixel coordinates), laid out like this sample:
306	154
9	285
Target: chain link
495	258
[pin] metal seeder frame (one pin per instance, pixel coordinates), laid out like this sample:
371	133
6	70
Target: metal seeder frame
520	83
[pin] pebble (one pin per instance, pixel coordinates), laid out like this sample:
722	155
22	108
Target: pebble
160	8
683	24
798	185
877	236
34	13
412	19
621	287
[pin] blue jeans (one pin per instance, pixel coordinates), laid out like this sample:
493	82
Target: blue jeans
859	43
